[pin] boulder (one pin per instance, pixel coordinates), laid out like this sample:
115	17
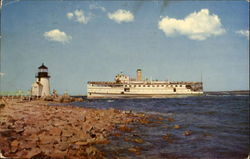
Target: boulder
187	133
135	150
177	126
2	105
33	152
78	99
138	140
48	98
55	131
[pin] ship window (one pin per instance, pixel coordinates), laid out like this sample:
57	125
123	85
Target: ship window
162	85
134	85
143	85
126	89
180	85
125	85
139	86
153	85
176	85
148	86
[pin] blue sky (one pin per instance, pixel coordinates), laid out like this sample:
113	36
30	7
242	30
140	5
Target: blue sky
84	41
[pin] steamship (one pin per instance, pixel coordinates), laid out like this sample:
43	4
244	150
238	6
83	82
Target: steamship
125	87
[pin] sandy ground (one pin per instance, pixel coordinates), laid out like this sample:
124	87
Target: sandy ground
35	129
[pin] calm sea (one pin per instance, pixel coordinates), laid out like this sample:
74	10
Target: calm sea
219	125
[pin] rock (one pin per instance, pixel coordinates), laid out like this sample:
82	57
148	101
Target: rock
4	145
2	105
45	138
63	146
14	149
78	99
177	126
101	140
116	134
127	139
5	132
33	152
144	121
135	150
47	148
125	128
160	118
187	133
1	155
67	133
48	98
55	131
82	143
59	154
127	111
138	140
171	119
168	138
91	150
15	143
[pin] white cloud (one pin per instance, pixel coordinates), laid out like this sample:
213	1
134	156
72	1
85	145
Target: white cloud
70	15
121	15
196	26
57	35
243	33
95	6
78	16
2	74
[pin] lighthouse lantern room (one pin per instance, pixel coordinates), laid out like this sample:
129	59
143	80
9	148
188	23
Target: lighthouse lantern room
41	86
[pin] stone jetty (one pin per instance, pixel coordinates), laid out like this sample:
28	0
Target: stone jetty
35	129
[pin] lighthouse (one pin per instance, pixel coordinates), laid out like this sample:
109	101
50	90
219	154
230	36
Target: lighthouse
41	86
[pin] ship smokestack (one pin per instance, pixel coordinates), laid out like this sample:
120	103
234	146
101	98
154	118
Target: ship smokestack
138	75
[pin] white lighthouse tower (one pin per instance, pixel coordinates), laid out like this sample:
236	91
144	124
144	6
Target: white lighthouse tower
41	87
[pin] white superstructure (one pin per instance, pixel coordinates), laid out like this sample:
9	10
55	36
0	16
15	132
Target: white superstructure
124	87
41	86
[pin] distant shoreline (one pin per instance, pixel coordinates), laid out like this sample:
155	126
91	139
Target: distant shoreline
236	92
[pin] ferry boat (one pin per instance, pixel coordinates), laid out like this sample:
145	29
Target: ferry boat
125	87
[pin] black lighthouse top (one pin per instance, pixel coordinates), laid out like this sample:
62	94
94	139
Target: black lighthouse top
42	66
42	71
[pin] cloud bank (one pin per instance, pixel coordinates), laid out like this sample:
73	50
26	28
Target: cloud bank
196	26
78	16
121	15
58	36
243	33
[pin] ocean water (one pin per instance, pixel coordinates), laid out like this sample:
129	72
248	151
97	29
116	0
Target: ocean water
219	125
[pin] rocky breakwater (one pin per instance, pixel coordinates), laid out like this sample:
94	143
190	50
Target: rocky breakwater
36	130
